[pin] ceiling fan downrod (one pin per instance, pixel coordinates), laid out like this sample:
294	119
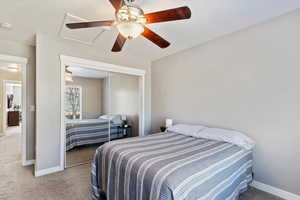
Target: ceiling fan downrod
134	2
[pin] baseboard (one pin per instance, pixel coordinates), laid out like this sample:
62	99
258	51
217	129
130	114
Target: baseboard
28	162
48	171
275	191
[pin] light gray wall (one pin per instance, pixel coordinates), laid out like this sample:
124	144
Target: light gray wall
248	81
48	90
16	49
91	96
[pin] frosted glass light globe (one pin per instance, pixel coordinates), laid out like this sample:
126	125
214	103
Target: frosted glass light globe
130	30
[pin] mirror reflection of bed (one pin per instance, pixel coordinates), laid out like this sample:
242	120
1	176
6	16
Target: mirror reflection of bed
99	107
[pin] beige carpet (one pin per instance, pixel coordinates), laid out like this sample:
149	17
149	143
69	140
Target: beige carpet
79	155
18	183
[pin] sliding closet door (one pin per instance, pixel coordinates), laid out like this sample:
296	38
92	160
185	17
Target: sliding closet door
87	118
124	105
106	98
99	107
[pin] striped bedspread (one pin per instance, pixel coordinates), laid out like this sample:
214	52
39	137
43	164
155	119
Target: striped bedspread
169	166
83	132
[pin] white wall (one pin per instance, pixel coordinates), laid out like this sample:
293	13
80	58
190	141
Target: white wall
16	49
247	81
48	90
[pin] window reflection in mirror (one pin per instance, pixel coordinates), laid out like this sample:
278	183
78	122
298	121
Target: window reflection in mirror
73	104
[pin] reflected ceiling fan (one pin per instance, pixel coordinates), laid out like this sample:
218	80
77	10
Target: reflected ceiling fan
131	22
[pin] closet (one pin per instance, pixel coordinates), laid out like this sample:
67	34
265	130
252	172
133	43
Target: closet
99	107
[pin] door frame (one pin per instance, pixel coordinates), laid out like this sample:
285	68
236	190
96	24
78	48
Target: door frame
23	62
97	65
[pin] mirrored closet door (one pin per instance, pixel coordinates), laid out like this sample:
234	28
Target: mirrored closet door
99	107
124	104
87	123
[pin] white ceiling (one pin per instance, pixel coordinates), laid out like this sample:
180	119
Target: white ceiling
210	19
87	73
85	36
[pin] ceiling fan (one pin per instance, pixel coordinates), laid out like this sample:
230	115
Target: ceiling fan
131	22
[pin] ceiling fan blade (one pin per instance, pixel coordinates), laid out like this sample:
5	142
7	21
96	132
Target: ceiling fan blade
156	39
120	41
89	24
169	15
117	4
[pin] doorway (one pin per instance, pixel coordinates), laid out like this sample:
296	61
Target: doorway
13	109
12	106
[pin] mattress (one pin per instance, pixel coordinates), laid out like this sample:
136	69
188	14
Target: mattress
170	166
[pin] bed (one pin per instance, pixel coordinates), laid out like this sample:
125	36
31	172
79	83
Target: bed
90	131
170	166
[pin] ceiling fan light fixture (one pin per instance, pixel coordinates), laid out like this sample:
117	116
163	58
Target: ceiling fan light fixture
130	21
13	68
68	75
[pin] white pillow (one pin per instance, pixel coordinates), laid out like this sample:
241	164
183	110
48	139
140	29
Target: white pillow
229	136
107	117
117	119
186	129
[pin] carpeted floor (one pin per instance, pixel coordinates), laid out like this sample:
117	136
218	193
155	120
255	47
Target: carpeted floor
79	155
18	183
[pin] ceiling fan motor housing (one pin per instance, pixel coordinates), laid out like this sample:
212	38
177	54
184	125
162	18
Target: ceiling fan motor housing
135	2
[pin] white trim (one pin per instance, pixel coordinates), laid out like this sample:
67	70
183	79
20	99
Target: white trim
47	171
142	105
28	162
13	59
24	114
108	86
80	62
4	102
23	62
275	191
62	162
97	65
